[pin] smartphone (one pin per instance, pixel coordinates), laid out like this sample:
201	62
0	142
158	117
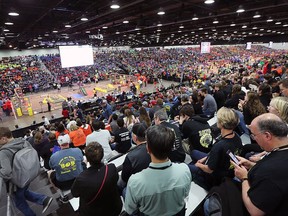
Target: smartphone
233	157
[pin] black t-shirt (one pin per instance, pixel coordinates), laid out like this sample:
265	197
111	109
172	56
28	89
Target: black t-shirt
219	161
123	140
199	134
269	184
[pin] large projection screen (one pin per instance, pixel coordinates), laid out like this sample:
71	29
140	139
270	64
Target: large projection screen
73	56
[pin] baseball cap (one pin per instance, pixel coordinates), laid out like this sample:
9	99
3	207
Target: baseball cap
63	139
139	129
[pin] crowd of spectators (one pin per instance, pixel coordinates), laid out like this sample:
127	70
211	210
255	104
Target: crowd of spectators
238	86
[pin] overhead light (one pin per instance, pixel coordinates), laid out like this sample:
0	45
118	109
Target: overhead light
87	32
240	9
13	14
125	21
254	27
55	31
209	1
262	29
285	25
192	32
232	24
137	29
104	27
270	20
9	23
159	24
257	15
200	29
114	6
10	46
6	30
244	26
46	35
84	19
215	21
158	30
161	12
67	26
277	23
179	31
195	17
181	26
213	30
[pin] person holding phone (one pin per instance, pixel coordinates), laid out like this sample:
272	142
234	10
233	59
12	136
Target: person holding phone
264	184
211	168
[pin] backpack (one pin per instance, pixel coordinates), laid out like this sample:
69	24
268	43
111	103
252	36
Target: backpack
25	165
225	200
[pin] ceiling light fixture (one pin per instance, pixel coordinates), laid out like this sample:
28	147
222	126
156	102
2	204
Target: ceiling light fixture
270	20
159	24
240	9
209	1
215	21
125	21
84	19
285	25
67	26
232	24
244	26
181	27
161	12
6	30
9	23
104	27
13	14
55	31
257	15
277	23
114	5
195	17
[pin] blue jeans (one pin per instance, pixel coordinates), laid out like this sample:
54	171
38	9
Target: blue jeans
23	194
198	176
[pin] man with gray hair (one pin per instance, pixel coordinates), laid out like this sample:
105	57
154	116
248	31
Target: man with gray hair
264	187
177	153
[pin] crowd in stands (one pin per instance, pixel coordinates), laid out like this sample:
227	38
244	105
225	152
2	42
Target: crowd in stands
247	93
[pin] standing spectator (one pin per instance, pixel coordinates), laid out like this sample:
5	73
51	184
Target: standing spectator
97	186
65	113
49	106
21	194
107	110
169	183
42	146
219	95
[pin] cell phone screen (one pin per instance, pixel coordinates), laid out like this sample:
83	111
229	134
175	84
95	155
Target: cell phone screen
233	157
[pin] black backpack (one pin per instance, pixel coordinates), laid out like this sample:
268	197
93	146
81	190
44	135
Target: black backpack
225	200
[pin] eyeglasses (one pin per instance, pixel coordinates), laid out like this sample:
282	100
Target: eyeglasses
253	136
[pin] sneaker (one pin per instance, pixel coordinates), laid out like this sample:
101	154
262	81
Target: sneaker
64	199
47	202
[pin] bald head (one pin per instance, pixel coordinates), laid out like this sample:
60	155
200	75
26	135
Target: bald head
271	123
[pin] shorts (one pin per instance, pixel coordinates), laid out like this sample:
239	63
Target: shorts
63	185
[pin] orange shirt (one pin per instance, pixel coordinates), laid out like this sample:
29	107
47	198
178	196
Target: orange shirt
86	129
57	133
77	137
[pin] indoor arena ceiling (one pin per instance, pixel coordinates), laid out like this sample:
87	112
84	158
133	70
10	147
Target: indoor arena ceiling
137	23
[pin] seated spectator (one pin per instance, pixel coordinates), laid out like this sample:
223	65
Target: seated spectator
144	117
209	104
284	87
236	95
113	124
196	129
61	130
264	187
101	136
177	153
86	128
129	119
122	138
66	165
136	160
209	169
97	186
77	137
162	187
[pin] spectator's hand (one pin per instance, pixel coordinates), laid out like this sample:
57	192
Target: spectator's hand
176	118
239	171
244	162
255	158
